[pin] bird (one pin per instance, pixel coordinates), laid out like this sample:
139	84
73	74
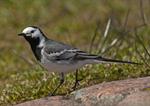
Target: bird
59	57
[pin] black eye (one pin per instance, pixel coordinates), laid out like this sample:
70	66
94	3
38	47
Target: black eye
32	31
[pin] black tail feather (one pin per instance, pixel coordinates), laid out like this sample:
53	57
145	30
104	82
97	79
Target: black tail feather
117	61
83	56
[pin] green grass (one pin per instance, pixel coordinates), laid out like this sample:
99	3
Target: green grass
73	22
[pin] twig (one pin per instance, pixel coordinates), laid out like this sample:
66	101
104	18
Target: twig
126	18
29	61
68	38
138	38
142	13
94	37
144	60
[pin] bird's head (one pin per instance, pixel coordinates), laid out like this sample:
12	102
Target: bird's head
31	32
33	35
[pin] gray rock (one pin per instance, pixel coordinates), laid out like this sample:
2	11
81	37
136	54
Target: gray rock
131	92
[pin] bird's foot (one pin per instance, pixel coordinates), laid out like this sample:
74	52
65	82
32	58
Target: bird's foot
76	84
51	94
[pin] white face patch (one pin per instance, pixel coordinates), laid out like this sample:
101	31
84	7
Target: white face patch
31	31
28	31
34	32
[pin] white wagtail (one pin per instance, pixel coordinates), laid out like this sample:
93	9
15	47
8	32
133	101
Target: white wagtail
59	57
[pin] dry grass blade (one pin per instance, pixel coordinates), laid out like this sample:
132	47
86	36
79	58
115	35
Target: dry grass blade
100	47
107	28
110	46
124	32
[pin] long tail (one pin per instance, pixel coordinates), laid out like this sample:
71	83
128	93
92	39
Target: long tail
116	61
85	56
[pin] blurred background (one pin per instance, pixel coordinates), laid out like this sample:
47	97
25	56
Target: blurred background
117	29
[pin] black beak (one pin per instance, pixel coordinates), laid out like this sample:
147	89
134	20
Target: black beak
21	34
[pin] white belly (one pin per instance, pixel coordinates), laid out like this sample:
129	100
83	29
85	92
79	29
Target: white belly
62	67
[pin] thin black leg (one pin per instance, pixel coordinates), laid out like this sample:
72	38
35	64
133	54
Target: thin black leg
76	81
61	82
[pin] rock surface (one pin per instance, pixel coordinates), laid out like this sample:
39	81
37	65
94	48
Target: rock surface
131	92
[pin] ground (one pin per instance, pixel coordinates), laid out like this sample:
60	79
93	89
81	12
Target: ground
130	92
